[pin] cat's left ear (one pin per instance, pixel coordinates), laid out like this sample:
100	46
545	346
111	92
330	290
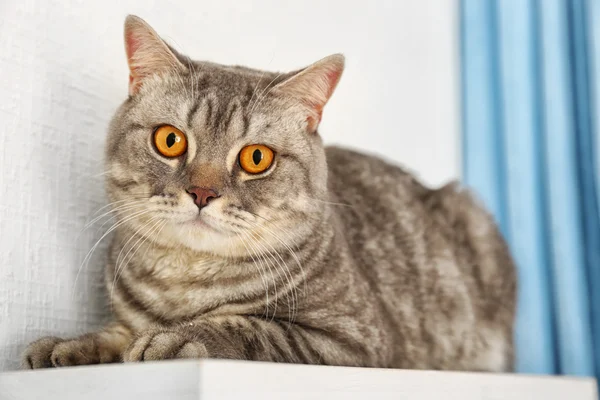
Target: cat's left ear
313	86
147	53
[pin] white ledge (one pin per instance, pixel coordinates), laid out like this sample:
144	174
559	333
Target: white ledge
221	379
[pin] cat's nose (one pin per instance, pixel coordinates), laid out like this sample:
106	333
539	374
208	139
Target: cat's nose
202	196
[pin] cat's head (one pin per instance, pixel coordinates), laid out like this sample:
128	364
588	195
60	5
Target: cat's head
213	157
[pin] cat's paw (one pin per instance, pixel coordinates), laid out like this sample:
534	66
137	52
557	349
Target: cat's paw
164	345
38	354
55	352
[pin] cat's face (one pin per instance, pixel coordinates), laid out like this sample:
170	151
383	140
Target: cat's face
217	159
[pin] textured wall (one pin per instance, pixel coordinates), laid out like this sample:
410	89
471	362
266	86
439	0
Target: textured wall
63	72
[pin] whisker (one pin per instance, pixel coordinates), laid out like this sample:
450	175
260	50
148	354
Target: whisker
282	228
268	265
328	202
286	245
260	80
121	208
101	174
118	271
262	272
119	260
118	211
177	75
263	94
110	204
89	254
282	266
292	253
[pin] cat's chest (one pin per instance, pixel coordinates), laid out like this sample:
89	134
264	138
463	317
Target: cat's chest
172	268
179	286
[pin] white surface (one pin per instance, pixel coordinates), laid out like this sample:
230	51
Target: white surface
63	72
216	379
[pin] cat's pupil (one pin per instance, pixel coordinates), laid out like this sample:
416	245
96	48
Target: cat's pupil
257	156
171	139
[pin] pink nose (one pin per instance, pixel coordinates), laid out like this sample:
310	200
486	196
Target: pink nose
202	196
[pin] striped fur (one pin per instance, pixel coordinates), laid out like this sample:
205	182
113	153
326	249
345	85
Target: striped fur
330	257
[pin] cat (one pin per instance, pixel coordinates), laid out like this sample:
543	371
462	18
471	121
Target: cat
241	236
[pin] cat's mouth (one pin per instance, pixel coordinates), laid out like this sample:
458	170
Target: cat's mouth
211	219
208	222
201	223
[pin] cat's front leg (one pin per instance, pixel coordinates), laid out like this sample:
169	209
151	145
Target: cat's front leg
246	338
104	346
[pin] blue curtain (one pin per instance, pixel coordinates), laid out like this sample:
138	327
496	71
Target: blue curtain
530	86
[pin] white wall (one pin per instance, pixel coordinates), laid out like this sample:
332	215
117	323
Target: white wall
63	72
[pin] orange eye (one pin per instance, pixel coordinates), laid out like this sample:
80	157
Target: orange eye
170	141
256	158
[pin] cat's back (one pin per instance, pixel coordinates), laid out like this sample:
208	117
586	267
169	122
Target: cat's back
385	212
433	255
369	184
379	206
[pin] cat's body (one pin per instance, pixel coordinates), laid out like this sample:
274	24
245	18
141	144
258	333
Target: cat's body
324	257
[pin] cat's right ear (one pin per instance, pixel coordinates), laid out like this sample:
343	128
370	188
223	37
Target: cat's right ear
313	86
147	53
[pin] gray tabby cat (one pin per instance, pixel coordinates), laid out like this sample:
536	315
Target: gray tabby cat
240	236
